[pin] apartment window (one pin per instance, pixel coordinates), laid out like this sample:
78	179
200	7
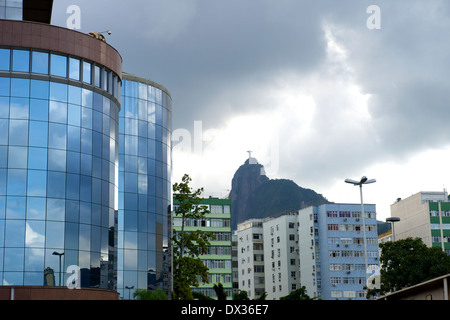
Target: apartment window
335	267
292	237
333	227
335	281
332	214
291	225
336	294
334	253
292	262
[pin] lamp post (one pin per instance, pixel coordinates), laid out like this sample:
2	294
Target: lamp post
60	255
393	220
360	183
129	290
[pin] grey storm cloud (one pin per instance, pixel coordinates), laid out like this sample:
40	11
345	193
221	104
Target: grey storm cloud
217	58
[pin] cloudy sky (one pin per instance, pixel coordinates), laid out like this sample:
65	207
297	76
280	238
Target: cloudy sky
316	94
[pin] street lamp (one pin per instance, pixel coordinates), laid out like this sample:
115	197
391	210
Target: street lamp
360	183
59	254
129	290
393	220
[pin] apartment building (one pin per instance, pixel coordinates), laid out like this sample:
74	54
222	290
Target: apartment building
336	261
425	215
281	256
218	256
250	257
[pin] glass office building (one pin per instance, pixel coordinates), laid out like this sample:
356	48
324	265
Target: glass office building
144	186
59	114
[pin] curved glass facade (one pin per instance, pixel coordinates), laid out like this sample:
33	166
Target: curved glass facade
58	168
144	186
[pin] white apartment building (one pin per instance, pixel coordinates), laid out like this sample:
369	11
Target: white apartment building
250	256
281	256
324	248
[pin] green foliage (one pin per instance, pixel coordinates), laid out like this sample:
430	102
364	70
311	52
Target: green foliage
220	292
187	245
407	262
240	295
158	294
299	294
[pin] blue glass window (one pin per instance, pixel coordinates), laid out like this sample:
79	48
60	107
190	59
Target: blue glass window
58	112
58	91
35	236
21	60
17	182
38	134
15	207
57	136
73	162
5	86
74	115
14	257
56	184
36	208
18	132
3	182
87	72
55	209
73	186
34	257
97	76
85	188
39	62
17	157
72	211
71	234
37	158
73	138
58	65
86	141
39	109
74	69
19	108
3	157
20	87
56	160
86	118
54	235
39	89
5	57
86	98
75	95
37	183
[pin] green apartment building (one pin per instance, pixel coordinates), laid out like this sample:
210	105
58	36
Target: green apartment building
218	256
425	215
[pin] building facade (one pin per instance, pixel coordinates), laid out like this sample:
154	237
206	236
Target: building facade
250	257
331	240
425	215
281	256
218	257
59	115
145	164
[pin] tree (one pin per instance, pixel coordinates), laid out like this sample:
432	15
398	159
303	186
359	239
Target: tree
240	295
407	262
299	294
158	294
220	292
188	268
